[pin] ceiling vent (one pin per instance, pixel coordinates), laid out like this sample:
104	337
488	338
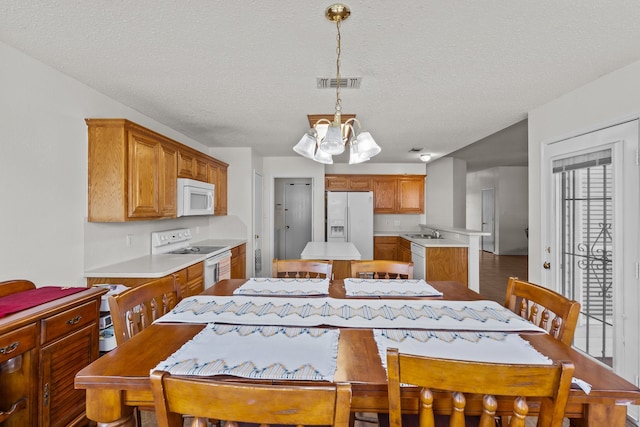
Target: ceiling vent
415	150
332	82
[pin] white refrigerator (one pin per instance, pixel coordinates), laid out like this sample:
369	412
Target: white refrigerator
350	219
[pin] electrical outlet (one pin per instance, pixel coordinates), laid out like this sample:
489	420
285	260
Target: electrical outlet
129	240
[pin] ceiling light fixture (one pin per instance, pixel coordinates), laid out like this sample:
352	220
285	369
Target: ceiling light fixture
321	148
425	157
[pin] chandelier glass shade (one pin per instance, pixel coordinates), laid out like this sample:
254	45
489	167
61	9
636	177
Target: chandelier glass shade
328	138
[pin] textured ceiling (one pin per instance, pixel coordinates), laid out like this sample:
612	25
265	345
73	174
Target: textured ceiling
436	75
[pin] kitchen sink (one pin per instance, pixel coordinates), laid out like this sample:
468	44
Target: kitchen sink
422	236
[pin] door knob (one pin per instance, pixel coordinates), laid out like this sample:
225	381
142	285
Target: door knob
287	227
547	265
257	236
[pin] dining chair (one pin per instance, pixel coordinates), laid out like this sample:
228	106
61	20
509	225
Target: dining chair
544	307
306	268
382	269
244	402
549	384
9	287
136	308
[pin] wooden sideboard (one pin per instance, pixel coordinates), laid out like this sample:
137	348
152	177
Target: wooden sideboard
41	350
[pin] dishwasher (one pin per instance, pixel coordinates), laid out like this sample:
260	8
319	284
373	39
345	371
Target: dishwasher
418	258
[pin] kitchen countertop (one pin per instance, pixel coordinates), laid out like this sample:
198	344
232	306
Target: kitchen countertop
339	251
428	243
159	265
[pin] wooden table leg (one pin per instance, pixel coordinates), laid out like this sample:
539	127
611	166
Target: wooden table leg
106	408
598	415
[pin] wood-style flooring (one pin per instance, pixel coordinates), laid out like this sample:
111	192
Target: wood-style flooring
495	271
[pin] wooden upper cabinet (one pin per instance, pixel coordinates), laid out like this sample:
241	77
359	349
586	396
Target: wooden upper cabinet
385	193
217	175
192	165
411	195
347	183
393	194
133	172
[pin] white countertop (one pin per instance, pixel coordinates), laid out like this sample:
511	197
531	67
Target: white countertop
341	251
436	243
462	231
160	265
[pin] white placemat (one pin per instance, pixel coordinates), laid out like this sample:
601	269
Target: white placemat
492	347
389	288
267	286
480	315
264	352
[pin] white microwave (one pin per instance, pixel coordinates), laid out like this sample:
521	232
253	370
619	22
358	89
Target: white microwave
194	197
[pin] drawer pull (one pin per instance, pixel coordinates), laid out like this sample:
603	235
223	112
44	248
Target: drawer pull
75	320
20	404
10	348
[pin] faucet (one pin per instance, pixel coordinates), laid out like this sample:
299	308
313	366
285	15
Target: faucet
436	234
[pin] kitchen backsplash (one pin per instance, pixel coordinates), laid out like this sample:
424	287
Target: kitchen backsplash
382	222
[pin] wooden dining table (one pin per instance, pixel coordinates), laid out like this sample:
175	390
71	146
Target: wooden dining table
119	381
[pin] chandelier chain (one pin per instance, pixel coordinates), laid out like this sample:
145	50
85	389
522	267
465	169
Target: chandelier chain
338	51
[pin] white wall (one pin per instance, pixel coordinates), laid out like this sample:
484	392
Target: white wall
511	206
43	176
445	192
605	101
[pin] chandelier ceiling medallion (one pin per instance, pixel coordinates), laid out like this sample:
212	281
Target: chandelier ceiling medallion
328	138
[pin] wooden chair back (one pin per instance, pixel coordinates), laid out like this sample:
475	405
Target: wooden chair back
381	269
248	402
455	378
544	307
9	287
305	268
137	307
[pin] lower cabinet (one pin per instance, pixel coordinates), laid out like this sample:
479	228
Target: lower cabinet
239	262
386	247
442	263
190	280
41	352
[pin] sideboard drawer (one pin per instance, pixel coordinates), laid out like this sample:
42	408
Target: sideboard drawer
17	342
71	320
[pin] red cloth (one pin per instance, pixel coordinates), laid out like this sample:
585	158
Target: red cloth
33	297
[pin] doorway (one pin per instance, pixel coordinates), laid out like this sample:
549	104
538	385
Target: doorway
592	248
292	216
488	220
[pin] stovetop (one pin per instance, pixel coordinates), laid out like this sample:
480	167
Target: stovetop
195	250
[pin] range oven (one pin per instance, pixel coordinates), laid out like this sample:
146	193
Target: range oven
217	263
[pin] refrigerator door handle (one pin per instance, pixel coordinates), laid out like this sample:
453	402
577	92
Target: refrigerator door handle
347	221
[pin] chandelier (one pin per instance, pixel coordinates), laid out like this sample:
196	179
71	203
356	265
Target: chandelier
321	146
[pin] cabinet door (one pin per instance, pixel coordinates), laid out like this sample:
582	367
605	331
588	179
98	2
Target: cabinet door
60	403
221	192
200	169
239	262
385	247
360	183
411	195
144	154
167	179
181	279
195	278
185	164
336	183
384	194
404	250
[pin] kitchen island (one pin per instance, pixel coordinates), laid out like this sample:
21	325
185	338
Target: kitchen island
341	253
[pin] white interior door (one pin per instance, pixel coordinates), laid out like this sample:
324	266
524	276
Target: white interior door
488	220
297	218
258	191
592	249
